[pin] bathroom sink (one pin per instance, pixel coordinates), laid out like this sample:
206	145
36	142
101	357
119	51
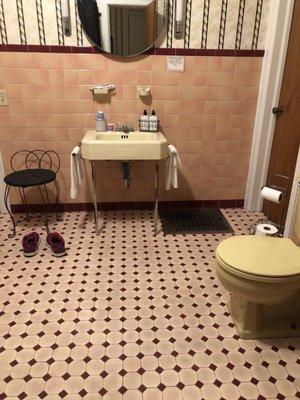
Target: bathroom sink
124	146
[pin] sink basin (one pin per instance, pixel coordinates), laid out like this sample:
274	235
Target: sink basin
124	146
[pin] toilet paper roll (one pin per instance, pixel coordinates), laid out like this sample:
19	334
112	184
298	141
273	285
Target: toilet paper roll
275	196
266	230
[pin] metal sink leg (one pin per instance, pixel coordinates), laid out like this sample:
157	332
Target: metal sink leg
94	191
156	198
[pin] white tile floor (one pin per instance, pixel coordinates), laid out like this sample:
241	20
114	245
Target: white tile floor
129	316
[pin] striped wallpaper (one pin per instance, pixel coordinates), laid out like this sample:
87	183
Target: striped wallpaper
209	24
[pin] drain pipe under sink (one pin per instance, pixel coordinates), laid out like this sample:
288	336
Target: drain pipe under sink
126	174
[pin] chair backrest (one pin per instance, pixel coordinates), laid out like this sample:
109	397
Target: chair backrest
35	159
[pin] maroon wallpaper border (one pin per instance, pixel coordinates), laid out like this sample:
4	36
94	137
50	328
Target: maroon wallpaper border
69	207
152	51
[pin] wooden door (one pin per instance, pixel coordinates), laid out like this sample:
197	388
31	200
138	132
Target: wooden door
128	30
286	140
135	22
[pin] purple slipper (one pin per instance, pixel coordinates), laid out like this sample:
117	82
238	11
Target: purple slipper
30	244
57	244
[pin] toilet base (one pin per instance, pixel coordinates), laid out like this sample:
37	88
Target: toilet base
258	321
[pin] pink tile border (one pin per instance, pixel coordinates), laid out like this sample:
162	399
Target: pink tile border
152	51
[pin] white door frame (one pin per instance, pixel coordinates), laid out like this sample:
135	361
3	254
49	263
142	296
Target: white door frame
295	198
277	40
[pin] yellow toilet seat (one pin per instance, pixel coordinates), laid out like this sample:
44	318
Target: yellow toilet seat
260	259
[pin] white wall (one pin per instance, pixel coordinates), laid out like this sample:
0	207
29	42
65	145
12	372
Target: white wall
295	195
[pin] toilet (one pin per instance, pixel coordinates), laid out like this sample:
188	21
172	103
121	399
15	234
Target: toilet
262	275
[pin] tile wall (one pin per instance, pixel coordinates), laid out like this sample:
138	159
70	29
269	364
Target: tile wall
207	112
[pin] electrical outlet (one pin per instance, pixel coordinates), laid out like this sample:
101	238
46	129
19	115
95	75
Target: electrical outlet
3	98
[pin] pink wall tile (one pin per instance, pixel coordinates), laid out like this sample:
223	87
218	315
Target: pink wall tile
159	78
38	60
31	106
171	93
211	107
222	121
56	76
196	134
173	78
100	77
225	93
198	92
224	106
198	106
71	77
158	63
145	78
185	107
116	77
186	92
13	91
186	79
227	78
130	77
214	64
158	105
213	78
158	92
212	92
142	63
129	92
8	60
242	64
85	77
15	75
171	107
228	64
72	92
201	63
199	78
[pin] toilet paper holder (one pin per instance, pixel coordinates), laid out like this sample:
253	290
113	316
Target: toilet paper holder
282	202
279	227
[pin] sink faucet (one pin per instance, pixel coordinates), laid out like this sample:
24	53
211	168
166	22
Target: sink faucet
125	128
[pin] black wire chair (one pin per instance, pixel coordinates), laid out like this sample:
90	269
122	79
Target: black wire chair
41	168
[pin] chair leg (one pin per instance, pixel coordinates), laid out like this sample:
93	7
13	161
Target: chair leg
57	199
6	194
24	201
46	207
47	199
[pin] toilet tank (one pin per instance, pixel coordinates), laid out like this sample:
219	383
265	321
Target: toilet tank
295	223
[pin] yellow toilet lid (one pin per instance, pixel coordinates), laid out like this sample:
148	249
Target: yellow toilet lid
261	256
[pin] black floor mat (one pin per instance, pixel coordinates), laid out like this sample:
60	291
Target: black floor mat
202	220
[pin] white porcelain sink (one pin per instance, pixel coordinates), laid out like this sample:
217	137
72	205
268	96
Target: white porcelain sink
122	146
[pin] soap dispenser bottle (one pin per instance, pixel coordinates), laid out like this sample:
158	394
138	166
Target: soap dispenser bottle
101	122
153	122
144	122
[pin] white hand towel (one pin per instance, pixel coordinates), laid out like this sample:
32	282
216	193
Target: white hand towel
77	172
173	164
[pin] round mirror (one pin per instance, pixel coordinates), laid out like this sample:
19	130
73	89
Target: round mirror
123	27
